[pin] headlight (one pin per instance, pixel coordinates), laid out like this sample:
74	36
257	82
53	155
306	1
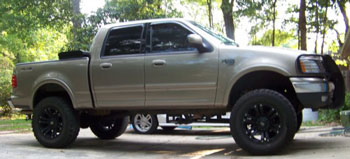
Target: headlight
311	64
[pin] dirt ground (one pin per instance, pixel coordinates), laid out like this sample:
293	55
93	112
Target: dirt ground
313	142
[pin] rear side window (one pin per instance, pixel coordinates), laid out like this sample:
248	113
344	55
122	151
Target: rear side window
123	41
170	37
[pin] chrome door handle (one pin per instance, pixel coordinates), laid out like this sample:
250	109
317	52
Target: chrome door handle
105	65
158	63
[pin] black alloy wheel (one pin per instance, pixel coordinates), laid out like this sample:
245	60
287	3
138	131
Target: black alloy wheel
263	121
55	123
50	123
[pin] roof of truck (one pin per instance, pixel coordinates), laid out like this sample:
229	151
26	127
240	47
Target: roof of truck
143	21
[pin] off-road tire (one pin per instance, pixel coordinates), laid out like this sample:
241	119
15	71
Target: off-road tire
55	123
107	128
299	120
274	116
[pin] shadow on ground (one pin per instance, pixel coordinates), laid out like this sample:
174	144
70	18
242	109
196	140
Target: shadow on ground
169	146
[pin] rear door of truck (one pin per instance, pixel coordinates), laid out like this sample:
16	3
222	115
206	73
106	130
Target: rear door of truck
118	74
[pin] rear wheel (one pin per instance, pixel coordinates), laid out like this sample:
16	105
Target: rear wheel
144	123
107	128
263	121
55	123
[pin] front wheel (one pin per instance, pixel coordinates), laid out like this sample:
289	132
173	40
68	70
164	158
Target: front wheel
107	128
263	122
144	123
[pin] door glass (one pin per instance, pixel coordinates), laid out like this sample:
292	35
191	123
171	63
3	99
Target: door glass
123	41
170	38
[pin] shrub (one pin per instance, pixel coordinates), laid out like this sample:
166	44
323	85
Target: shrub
332	115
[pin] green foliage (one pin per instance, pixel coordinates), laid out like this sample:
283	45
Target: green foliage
17	125
31	30
259	12
282	39
6	67
120	11
333	115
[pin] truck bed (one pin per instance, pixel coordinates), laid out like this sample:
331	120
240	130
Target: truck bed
70	73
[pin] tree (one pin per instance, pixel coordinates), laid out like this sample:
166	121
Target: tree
302	25
30	30
274	22
210	14
283	39
75	40
209	6
342	8
324	26
227	11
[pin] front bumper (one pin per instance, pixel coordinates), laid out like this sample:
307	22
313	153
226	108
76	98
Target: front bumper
313	92
321	92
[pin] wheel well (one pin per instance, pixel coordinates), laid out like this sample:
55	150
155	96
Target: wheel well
267	80
48	90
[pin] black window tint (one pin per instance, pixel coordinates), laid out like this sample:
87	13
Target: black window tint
170	37
123	41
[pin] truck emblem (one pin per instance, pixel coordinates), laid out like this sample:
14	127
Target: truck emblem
228	61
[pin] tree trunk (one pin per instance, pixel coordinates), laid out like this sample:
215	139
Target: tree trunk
341	4
340	43
76	13
317	26
210	14
226	7
298	39
76	20
302	25
274	22
324	28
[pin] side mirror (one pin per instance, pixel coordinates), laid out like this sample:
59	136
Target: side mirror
195	39
197	42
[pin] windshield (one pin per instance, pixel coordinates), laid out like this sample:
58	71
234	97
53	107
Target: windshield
223	39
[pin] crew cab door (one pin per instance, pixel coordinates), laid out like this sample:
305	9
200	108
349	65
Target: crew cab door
118	75
176	73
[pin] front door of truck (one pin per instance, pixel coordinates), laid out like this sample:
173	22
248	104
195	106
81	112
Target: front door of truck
176	73
118	76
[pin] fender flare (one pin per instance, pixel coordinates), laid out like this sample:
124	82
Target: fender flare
234	79
59	82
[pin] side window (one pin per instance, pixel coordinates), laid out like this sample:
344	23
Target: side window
170	37
123	41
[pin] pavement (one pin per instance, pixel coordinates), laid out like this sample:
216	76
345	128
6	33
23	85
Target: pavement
312	142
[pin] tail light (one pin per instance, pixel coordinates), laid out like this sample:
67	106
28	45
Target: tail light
14	81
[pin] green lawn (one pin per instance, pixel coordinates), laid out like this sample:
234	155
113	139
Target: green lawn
17	125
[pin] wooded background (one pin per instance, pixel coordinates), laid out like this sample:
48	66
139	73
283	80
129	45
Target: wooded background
36	30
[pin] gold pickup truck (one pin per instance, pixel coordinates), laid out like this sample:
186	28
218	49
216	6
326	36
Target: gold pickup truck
175	66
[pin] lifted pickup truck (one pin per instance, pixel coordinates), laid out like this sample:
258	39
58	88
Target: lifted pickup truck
175	66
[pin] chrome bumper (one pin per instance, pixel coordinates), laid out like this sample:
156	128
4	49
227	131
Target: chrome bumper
313	92
311	85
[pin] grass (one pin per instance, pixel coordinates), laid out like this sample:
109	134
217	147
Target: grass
17	125
319	123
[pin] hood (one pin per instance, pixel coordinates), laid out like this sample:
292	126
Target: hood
275	51
278	50
281	60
